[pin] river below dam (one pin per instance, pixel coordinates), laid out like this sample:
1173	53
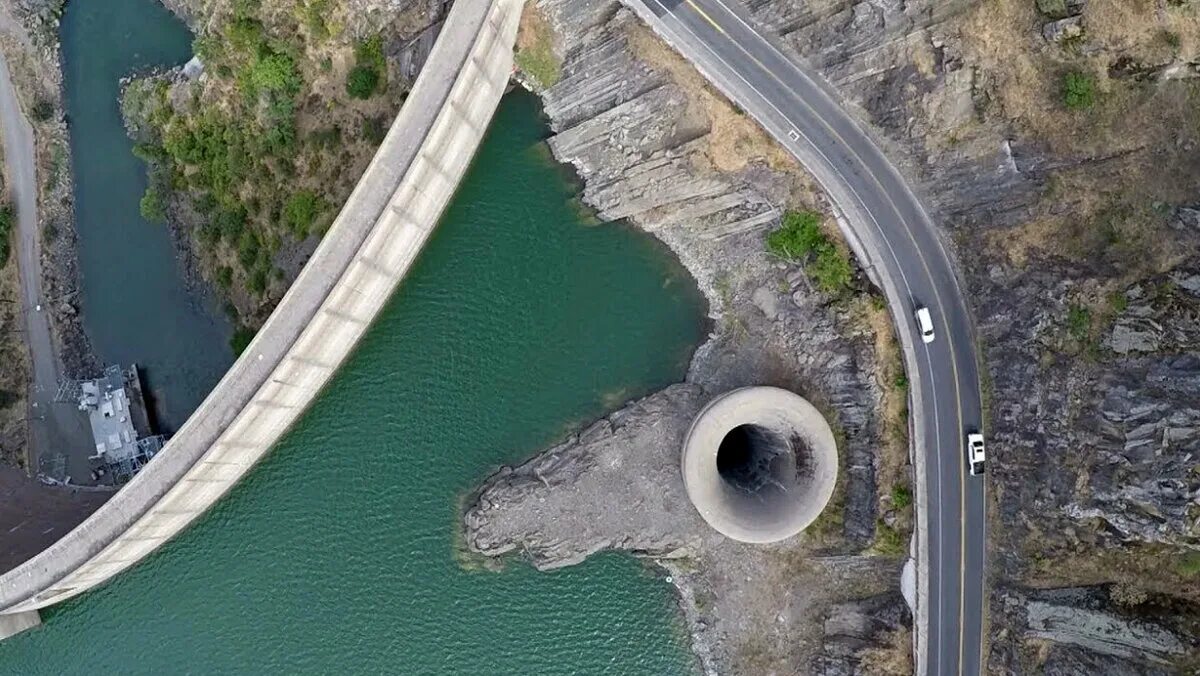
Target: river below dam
338	554
136	306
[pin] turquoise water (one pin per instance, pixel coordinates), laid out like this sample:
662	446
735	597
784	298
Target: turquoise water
134	302
336	555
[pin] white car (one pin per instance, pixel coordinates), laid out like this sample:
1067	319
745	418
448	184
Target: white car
976	457
925	323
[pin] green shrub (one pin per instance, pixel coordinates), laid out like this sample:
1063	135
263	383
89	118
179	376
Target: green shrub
274	72
300	211
230	222
888	541
374	130
312	13
1079	321
248	249
7	221
370	69
240	339
246	34
1189	564
152	206
800	238
369	53
258	280
831	270
43	110
901	496
1117	301
1078	91
209	49
225	277
800	234
361	82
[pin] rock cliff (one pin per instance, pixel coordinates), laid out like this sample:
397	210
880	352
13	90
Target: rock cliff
654	145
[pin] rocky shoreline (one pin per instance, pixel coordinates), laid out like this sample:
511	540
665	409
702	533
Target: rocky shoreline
653	145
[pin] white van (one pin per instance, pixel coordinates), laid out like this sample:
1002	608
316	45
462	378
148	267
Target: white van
925	323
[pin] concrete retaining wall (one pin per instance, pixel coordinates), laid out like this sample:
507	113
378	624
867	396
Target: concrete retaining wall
365	254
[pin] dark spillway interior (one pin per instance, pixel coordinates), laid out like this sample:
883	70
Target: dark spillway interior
751	458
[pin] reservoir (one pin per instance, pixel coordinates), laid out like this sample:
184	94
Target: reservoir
136	307
519	323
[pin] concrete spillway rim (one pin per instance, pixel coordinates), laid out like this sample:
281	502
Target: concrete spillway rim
783	412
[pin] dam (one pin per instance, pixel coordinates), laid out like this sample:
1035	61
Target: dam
371	245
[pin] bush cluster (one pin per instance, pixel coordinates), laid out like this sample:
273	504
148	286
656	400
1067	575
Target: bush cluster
801	239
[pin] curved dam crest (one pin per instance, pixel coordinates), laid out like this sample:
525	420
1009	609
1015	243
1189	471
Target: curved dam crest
366	253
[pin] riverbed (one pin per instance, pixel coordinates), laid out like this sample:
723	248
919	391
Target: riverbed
519	323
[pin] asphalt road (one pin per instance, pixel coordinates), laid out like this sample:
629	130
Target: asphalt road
895	239
53	428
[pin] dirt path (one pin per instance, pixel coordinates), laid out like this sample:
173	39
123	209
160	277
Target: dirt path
52	428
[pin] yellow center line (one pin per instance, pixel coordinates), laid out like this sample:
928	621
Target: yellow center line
941	305
704	15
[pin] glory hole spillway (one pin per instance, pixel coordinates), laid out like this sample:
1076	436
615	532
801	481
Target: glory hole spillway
518	323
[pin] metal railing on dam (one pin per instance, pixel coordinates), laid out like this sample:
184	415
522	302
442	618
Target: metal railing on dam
349	278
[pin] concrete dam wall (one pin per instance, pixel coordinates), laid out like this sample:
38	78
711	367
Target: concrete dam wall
367	251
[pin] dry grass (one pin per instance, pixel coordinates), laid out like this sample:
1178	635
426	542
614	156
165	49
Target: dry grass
892	658
892	466
536	55
734	139
1152	569
14	377
1138	29
870	315
1133	144
1025	73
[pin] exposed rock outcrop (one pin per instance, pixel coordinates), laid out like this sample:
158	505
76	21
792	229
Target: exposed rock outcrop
1080	631
867	636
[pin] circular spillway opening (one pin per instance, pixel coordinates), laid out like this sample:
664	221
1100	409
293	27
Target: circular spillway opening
751	458
759	464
